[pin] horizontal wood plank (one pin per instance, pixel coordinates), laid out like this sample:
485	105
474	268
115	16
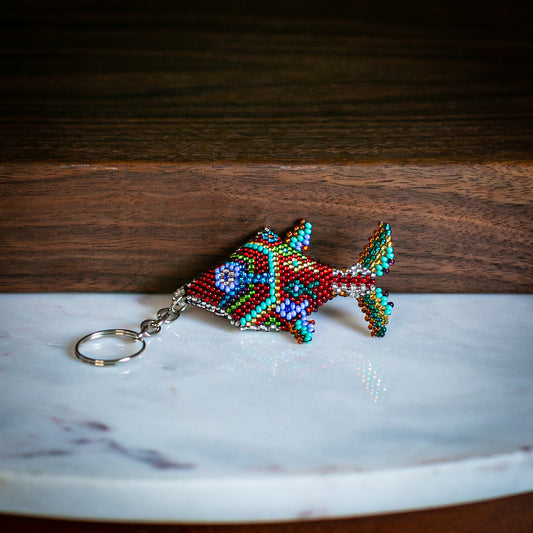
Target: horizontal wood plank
152	227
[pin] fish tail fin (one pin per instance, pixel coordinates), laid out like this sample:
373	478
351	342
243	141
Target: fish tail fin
376	311
378	257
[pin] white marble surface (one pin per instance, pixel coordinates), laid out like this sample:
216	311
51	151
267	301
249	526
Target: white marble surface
212	424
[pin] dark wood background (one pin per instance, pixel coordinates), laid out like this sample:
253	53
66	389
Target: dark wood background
141	142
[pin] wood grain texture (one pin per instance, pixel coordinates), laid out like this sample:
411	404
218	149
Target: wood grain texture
513	514
272	82
152	227
141	144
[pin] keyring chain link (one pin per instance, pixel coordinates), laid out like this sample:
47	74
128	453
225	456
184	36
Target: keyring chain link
147	328
165	315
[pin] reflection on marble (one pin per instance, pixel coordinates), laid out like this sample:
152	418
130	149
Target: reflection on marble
212	424
373	379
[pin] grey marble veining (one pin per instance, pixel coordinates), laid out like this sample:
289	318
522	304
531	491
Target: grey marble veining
214	424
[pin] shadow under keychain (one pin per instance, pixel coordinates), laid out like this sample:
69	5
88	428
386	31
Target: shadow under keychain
270	284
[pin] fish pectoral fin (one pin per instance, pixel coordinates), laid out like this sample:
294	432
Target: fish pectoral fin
300	236
302	330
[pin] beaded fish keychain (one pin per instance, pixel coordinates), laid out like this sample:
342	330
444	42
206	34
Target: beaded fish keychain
270	284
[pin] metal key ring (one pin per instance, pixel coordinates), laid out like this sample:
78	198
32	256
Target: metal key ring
131	335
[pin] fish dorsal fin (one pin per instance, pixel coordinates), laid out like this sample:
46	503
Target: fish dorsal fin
299	237
268	237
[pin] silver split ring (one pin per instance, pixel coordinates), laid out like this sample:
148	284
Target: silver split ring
125	335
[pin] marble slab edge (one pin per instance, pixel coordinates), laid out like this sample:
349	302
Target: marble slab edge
277	498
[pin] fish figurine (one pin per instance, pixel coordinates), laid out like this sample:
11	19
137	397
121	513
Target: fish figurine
270	283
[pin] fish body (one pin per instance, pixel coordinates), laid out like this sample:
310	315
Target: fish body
270	283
